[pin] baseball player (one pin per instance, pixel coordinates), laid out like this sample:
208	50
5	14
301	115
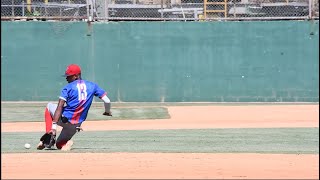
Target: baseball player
72	109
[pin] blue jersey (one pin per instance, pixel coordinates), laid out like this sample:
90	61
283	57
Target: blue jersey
78	96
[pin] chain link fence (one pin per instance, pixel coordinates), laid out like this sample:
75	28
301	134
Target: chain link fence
185	10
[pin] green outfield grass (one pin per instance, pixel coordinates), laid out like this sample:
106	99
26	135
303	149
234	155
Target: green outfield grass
242	140
36	113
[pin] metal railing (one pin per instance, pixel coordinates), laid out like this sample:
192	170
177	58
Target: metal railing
159	10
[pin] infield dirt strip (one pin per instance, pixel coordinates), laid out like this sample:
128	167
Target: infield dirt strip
175	165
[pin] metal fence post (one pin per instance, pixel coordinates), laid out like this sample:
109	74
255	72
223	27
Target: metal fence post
60	11
310	9
106	10
161	8
91	7
22	8
12	9
87	5
45	8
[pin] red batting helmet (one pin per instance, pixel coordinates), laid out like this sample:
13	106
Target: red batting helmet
72	69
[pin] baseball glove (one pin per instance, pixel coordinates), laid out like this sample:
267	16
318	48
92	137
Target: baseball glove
48	140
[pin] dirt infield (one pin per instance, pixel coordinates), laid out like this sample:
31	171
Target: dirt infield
175	165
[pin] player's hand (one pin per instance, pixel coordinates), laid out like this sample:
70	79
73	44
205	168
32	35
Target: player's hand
107	114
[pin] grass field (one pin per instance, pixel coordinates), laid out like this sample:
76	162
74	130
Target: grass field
252	140
170	140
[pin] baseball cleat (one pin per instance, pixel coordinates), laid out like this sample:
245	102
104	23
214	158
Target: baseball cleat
67	146
78	129
40	146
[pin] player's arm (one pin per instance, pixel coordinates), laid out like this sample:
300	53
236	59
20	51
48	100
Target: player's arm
102	94
57	115
107	105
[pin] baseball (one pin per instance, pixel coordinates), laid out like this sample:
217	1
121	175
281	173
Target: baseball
27	145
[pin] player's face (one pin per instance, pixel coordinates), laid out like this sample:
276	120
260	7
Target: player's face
71	78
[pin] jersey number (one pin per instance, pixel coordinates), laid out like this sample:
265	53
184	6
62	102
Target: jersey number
82	91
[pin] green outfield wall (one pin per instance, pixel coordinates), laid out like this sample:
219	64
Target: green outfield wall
249	61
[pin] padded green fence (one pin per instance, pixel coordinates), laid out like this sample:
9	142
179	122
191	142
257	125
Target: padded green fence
267	61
